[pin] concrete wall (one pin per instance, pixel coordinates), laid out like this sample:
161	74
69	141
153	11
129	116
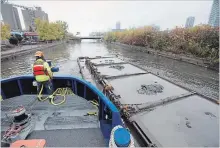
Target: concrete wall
18	22
9	16
27	19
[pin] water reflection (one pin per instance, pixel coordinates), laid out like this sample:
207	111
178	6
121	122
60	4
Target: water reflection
64	56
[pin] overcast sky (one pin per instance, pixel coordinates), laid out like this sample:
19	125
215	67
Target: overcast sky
88	16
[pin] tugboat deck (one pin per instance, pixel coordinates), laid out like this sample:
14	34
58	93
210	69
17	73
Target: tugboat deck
161	112
61	126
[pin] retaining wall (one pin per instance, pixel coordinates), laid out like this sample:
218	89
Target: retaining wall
16	53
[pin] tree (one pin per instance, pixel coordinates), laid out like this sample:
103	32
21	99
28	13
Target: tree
41	28
51	31
5	31
64	27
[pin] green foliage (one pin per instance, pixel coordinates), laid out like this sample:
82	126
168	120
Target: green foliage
5	31
51	31
201	41
64	27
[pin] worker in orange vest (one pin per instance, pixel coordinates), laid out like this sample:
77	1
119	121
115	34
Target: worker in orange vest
42	73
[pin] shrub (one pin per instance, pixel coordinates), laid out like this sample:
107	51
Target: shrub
5	31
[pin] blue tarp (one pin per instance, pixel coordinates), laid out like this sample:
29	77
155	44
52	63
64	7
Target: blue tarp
19	33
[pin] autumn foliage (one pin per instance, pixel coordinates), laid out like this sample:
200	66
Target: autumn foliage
5	31
201	41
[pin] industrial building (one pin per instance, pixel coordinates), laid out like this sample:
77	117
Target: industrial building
118	25
38	13
10	16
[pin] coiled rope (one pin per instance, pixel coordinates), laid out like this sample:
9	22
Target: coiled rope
96	105
59	92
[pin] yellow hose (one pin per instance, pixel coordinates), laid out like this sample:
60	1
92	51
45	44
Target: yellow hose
96	105
59	92
91	114
40	96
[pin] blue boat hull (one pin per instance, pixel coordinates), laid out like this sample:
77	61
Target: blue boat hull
22	85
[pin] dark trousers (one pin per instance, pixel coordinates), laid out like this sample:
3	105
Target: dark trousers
48	87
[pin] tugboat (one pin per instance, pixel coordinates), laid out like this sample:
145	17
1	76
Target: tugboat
85	118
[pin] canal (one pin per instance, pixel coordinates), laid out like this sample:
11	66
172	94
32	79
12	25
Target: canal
64	56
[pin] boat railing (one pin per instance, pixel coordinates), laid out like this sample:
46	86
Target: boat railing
109	115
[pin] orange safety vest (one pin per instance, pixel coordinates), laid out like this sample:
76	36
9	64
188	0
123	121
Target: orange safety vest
38	68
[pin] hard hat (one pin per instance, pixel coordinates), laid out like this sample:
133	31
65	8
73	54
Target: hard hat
39	54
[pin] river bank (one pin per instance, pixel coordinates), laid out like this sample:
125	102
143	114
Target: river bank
180	57
13	53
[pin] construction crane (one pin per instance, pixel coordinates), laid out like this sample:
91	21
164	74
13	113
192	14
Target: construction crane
30	12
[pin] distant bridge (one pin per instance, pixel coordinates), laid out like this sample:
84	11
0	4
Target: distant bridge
91	37
87	37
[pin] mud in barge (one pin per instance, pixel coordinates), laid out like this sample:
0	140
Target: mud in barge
157	111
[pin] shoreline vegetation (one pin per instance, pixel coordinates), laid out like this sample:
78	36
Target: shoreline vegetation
201	41
47	31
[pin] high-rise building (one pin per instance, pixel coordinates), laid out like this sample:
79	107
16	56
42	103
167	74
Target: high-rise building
214	15
10	16
190	22
156	27
118	25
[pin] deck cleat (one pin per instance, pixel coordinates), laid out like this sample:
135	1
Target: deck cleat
22	125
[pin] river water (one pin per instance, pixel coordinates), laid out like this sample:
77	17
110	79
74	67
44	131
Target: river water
64	56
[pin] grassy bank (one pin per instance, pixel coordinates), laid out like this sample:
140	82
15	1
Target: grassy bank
201	41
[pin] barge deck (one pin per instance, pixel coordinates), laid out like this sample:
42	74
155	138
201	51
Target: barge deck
160	112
